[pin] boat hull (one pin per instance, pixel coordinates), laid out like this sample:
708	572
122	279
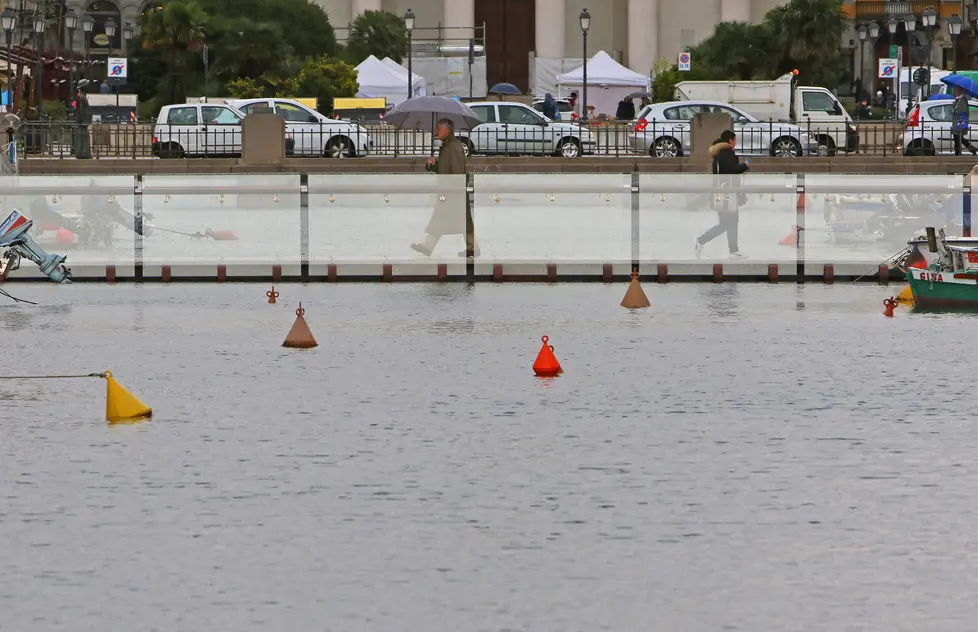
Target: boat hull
942	291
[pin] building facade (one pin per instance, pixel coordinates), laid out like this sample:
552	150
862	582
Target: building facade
637	33
935	47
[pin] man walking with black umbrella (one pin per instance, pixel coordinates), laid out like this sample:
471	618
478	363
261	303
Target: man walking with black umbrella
446	219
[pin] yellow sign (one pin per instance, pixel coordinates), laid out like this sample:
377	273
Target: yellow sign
360	104
310	102
101	39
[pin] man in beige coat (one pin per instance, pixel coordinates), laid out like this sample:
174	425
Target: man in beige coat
446	219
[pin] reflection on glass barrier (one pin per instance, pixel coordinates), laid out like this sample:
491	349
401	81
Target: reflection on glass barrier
694	218
222	219
93	228
866	219
386	218
553	217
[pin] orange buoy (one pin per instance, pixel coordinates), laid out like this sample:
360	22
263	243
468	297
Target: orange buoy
272	295
635	297
791	239
299	336
546	364
888	306
64	236
221	235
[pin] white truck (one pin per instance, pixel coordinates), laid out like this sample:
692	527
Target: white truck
816	110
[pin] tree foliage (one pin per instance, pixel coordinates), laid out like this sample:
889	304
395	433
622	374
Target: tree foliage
378	33
254	47
802	34
326	78
175	30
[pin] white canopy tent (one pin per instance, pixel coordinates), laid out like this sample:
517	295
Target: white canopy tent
608	82
378	80
419	84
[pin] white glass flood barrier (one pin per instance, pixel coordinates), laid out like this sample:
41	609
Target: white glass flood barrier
854	222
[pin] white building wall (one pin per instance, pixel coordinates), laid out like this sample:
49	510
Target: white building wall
600	36
663	27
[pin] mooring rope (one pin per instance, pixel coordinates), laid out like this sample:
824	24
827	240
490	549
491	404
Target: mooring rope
15	299
49	377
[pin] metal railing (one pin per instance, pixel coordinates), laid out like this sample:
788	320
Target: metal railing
658	139
795	222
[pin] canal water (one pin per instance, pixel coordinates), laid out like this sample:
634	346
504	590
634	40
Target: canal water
737	457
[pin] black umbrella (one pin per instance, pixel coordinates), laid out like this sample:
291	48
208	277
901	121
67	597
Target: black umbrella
639	95
504	88
421	113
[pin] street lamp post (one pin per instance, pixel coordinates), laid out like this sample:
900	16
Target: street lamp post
8	19
88	24
892	25
39	51
409	25
110	28
954	28
863	34
874	35
71	22
128	32
930	23
585	19
909	24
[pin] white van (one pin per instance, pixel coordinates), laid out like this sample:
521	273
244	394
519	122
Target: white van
919	92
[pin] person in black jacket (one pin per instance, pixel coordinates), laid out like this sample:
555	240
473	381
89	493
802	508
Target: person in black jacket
725	163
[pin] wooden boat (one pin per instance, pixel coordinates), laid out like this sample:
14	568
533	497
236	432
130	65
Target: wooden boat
950	282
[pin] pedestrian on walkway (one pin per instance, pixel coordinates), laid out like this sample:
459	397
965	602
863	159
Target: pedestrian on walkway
727	170
447	218
960	124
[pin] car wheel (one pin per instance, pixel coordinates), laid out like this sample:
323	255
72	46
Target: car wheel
467	147
785	147
828	143
171	150
338	147
666	148
920	147
569	148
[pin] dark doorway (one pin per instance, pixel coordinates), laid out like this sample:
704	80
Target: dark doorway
510	36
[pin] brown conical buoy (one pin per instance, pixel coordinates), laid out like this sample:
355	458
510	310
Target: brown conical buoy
635	297
299	336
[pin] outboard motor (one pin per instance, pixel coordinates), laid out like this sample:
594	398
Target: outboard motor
15	238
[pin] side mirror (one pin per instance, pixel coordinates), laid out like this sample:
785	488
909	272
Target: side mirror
836	109
544	123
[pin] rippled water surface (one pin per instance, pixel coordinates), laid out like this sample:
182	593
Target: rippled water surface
737	457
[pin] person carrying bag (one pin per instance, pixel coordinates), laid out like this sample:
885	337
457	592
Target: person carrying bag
725	169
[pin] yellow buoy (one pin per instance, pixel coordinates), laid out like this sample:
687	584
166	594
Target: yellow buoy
121	405
905	295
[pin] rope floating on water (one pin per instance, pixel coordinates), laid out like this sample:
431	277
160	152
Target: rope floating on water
49	377
17	300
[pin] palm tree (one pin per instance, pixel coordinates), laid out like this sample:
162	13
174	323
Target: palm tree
176	29
809	34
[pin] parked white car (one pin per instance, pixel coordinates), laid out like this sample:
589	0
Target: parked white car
197	129
517	129
928	128
565	111
663	131
315	134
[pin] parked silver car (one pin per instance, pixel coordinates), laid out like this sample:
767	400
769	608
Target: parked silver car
517	129
663	131
928	128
